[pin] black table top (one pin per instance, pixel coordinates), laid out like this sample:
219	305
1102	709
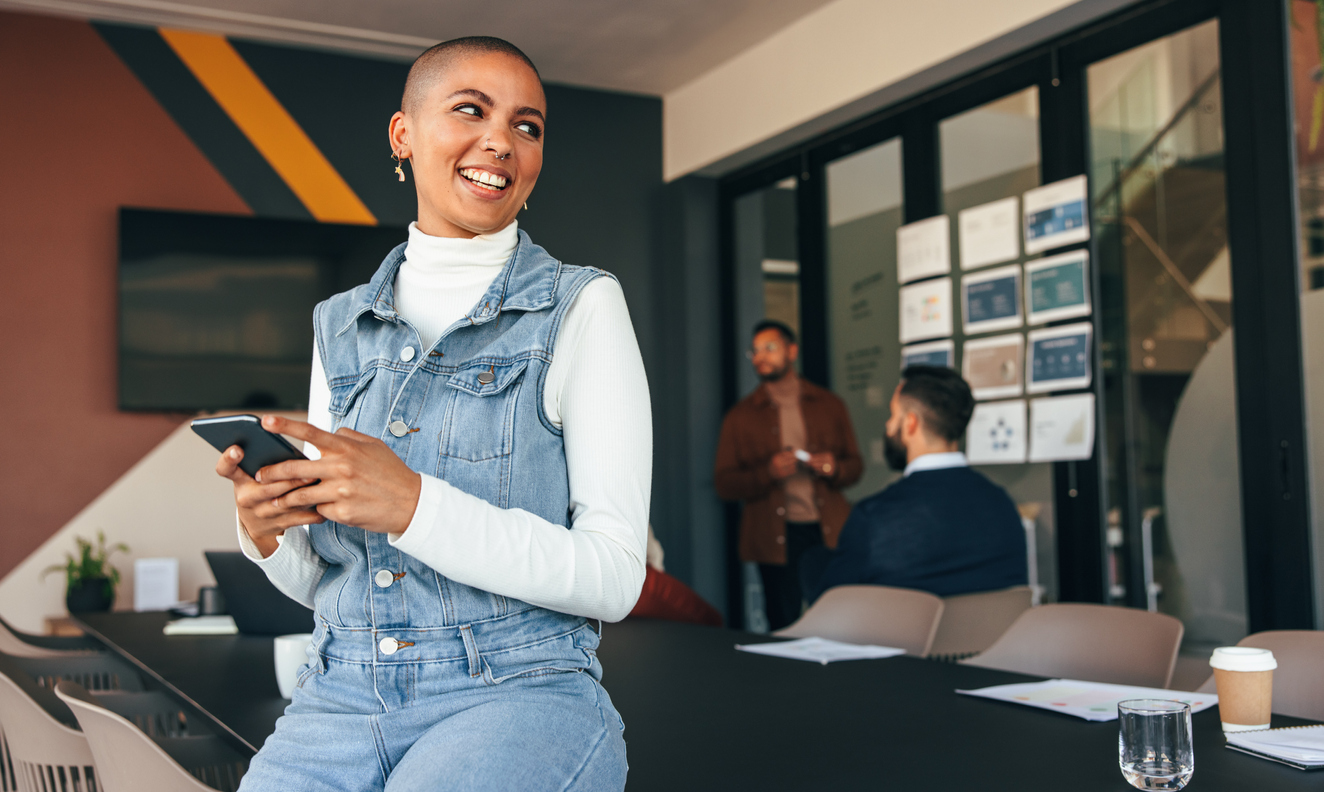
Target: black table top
700	715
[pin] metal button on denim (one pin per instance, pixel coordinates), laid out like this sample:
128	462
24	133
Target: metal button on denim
388	646
407	354
486	378
399	428
383	578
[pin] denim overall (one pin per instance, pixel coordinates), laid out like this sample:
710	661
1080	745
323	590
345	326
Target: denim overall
416	681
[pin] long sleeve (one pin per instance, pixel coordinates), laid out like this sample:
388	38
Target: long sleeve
598	393
732	480
296	568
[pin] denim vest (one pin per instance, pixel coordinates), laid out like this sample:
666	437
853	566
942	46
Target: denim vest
468	411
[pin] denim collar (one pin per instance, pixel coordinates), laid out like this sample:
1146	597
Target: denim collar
526	283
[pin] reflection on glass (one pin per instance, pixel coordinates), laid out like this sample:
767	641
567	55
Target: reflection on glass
1173	484
767	266
864	212
767	286
1308	96
988	154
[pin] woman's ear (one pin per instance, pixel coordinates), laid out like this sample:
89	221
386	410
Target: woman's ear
398	132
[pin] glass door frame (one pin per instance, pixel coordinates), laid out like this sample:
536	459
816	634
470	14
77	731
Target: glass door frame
1261	200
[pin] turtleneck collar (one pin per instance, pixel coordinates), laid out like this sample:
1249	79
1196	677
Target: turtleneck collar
427	254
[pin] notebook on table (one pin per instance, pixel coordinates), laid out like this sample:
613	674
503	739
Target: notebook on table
1301	747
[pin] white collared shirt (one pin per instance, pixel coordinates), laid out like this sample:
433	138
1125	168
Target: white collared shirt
939	461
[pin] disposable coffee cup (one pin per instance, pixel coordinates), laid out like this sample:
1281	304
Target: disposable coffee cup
1244	676
291	655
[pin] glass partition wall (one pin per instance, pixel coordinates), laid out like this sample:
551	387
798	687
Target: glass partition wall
1188	503
1173	489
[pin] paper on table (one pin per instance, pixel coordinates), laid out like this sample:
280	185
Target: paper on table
202	625
155	584
989	233
996	433
820	650
1300	745
926	310
923	249
1093	701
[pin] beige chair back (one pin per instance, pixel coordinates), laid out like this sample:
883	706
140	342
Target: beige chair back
1098	643
879	615
972	622
1298	682
128	760
45	753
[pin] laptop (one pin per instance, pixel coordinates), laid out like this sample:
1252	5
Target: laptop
258	607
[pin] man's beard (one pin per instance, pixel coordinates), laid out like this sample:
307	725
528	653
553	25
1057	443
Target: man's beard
894	452
775	374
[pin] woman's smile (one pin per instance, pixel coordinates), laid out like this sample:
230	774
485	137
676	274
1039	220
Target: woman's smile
489	183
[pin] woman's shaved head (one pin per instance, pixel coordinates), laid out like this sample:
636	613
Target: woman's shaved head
436	59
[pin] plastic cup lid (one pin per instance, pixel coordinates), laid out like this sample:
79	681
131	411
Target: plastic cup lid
1243	658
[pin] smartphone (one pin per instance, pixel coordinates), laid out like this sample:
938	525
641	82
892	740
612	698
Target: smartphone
261	448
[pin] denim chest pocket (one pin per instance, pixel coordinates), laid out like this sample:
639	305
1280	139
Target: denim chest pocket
480	416
346	397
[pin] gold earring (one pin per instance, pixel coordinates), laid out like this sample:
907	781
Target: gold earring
526	206
399	171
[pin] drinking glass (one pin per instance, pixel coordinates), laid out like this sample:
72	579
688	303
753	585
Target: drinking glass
1154	743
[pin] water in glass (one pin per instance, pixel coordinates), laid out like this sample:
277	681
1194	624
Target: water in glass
1154	743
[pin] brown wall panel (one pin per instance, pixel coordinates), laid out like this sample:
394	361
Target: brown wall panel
79	137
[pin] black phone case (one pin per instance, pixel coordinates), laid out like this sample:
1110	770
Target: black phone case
261	448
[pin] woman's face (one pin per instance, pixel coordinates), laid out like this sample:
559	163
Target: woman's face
480	107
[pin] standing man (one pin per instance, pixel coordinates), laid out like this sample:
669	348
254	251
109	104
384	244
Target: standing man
786	450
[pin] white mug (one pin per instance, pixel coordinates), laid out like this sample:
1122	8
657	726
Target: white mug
291	654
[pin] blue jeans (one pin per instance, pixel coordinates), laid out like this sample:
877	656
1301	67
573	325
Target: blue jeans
528	714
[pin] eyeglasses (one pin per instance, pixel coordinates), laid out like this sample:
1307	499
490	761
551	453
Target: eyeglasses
769	348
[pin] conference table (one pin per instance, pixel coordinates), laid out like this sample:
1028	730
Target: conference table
700	715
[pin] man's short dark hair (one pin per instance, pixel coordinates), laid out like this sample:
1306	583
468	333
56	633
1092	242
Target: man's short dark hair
944	399
788	335
434	60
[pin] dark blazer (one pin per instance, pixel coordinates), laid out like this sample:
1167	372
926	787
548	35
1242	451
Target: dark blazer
751	434
948	531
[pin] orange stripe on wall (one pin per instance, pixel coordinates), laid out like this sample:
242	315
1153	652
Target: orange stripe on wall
269	126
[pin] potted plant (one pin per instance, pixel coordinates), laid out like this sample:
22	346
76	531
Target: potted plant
91	578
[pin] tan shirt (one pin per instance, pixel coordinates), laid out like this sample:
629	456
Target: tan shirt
799	488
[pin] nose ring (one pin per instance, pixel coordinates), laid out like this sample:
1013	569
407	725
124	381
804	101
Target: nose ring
500	156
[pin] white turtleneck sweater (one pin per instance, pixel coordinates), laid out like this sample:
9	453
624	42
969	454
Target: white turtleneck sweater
596	392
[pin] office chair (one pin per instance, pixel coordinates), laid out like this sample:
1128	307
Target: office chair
1096	643
879	615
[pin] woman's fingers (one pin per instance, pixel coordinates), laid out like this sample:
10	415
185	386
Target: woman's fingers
228	465
292	470
252	494
300	430
307	497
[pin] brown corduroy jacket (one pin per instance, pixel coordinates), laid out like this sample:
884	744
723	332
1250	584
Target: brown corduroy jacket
751	435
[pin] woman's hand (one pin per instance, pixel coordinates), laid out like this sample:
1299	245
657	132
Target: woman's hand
258	512
362	481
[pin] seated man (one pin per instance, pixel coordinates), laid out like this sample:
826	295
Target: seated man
943	528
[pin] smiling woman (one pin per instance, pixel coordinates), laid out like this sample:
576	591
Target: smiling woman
476	493
472	128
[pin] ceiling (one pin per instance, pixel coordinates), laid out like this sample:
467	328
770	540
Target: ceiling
638	46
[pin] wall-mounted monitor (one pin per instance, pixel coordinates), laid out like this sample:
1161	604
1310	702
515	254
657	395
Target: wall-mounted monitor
216	311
